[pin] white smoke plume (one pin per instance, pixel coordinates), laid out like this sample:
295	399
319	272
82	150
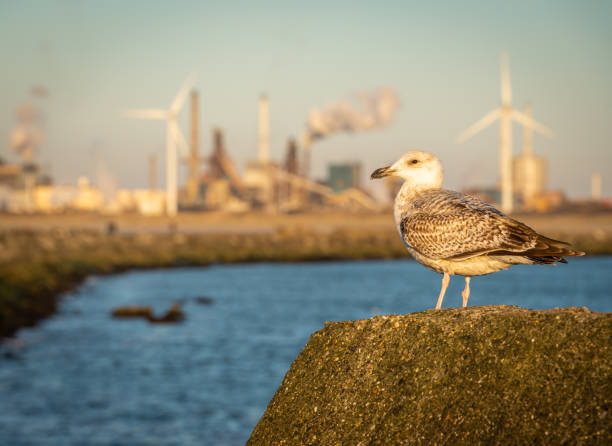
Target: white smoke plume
39	91
365	111
27	134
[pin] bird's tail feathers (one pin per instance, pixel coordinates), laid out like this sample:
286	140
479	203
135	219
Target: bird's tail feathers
548	247
544	260
546	251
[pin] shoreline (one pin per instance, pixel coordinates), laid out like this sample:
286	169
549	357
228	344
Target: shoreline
38	265
43	265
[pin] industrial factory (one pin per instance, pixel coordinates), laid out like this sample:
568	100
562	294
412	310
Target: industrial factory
266	185
213	182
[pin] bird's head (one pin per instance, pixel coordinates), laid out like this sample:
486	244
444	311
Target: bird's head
420	169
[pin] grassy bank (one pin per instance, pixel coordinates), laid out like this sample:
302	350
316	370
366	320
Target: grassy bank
37	265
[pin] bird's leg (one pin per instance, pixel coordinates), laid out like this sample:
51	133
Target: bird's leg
445	281
466	291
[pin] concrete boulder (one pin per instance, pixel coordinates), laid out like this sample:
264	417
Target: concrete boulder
481	375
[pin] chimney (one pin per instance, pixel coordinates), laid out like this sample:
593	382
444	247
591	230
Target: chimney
596	186
216	171
152	171
528	134
264	142
218	146
291	162
194	156
306	143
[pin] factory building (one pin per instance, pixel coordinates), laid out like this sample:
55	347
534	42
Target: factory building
147	202
530	177
343	176
265	185
259	182
529	173
10	174
18	184
221	186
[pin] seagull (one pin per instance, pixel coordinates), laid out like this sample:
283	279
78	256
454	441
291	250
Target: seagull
454	233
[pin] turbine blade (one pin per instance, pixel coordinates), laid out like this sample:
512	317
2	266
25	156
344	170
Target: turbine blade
506	88
145	114
483	123
179	138
527	121
180	97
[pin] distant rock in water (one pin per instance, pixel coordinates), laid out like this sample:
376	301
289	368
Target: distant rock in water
174	314
132	311
204	300
480	375
9	355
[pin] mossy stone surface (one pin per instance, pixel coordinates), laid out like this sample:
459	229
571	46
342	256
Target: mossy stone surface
481	375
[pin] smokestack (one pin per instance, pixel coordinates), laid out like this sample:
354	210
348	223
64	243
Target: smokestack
152	171
291	162
596	186
306	145
218	154
264	143
194	156
218	146
527	134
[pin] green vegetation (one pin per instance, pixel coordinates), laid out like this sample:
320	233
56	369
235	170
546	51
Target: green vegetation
591	244
481	375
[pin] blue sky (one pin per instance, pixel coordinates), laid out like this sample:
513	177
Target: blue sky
97	58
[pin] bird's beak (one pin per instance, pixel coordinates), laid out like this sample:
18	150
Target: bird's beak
382	172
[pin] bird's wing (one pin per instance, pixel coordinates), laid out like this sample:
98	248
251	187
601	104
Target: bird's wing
449	225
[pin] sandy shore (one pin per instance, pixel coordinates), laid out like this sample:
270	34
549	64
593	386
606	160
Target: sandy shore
598	225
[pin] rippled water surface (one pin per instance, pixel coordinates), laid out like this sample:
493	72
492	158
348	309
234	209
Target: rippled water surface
82	377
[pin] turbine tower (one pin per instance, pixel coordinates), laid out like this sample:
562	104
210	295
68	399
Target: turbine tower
506	114
174	138
264	127
193	180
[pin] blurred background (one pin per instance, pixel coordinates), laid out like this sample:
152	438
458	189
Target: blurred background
233	141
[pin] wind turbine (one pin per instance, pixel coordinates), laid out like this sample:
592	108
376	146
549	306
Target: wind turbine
506	114
174	138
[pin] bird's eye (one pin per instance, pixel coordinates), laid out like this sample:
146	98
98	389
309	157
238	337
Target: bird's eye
414	161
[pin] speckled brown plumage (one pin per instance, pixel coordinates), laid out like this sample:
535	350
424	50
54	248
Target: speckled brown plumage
443	224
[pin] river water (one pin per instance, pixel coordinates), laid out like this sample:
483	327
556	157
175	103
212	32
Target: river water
82	377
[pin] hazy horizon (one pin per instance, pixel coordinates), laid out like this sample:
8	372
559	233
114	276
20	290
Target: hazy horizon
99	58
